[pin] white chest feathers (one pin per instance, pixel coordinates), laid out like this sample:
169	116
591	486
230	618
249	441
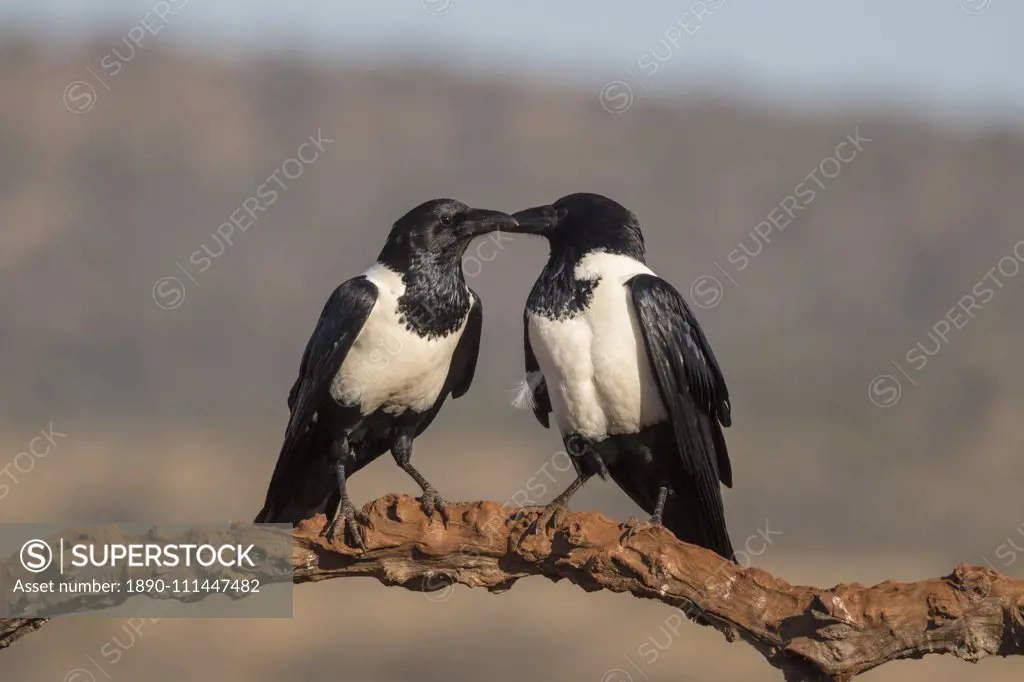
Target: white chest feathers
388	365
595	364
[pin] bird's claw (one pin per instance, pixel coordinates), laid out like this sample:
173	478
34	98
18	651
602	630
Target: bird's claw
633	526
521	513
549	517
431	501
353	518
557	515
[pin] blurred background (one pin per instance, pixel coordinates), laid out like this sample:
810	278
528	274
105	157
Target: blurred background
837	189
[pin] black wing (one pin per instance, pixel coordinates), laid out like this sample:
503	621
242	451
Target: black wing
463	366
340	322
535	380
694	392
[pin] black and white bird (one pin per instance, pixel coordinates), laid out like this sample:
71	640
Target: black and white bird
616	354
390	346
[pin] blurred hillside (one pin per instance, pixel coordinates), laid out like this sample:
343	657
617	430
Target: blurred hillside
176	414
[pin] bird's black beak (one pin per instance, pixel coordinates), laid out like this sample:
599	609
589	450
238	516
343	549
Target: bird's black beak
483	221
540	220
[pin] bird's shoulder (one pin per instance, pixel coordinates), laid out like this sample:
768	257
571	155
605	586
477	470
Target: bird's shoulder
666	318
473	319
348	306
349	303
343	315
659	304
474	298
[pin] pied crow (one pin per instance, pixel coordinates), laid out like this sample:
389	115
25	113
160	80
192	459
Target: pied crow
616	354
388	349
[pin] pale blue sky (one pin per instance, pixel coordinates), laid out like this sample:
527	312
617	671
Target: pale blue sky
931	55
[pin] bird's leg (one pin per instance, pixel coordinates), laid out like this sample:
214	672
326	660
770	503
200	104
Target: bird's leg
344	509
634	525
586	462
659	507
431	500
560	504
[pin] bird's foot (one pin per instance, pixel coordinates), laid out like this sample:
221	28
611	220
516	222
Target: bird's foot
352	517
633	526
522	513
431	501
550	517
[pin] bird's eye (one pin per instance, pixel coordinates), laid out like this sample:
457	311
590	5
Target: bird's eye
561	213
446	219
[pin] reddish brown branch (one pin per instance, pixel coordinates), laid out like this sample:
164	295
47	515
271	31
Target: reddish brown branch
13	629
808	633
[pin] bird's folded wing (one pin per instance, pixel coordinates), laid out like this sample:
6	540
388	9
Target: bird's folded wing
535	387
463	366
340	322
688	377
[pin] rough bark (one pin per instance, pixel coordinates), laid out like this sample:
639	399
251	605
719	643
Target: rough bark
13	629
808	633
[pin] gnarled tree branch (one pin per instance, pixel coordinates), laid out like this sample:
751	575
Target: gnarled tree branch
808	633
13	629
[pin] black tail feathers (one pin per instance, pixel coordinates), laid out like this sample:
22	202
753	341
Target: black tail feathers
304	483
698	519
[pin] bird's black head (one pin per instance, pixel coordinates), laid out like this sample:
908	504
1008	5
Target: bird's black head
580	223
437	232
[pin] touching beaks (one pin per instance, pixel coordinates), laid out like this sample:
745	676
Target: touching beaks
537	220
481	221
